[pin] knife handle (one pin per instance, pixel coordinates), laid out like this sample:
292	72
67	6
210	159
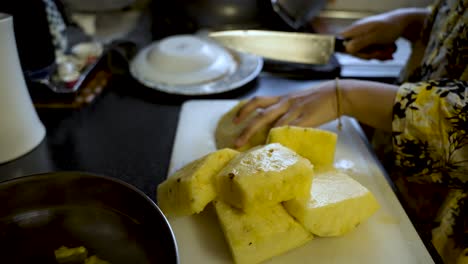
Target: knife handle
340	44
387	48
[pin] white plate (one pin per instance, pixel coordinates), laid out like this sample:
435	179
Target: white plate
246	68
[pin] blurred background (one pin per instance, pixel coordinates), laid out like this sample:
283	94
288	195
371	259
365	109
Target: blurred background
144	21
107	20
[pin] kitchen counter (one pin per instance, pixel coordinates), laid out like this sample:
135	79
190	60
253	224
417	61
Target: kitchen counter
127	132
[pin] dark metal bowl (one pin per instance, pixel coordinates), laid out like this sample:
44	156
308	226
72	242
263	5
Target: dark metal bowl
111	219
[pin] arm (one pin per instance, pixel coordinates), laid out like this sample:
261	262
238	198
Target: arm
414	19
369	102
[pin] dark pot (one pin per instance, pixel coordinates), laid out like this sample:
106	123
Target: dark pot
110	218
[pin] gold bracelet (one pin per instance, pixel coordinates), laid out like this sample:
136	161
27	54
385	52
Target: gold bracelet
338	104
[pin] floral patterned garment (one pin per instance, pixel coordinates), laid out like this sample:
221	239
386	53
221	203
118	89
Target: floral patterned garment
432	160
430	133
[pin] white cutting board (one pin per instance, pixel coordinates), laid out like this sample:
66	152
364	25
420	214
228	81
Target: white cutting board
387	237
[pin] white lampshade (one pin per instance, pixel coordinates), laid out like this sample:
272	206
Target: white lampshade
20	128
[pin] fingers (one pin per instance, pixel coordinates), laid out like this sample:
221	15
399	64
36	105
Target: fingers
356	29
369	35
367	47
310	121
288	117
374	55
264	118
359	43
302	120
250	106
308	114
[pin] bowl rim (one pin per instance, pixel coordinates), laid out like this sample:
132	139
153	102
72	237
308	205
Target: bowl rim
26	178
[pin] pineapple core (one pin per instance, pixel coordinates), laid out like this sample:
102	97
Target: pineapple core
264	176
337	205
191	188
257	236
316	145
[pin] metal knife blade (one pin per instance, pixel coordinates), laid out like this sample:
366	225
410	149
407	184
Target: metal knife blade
283	46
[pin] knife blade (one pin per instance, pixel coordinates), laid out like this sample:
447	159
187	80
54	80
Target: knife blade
297	13
284	46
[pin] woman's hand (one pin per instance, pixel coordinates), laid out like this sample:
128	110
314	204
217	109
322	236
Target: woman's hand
382	31
309	108
369	102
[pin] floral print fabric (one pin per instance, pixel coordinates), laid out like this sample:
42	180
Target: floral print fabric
430	133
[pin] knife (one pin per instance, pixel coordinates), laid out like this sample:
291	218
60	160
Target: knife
285	46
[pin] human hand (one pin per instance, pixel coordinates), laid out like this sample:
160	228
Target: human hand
382	31
374	37
309	108
369	102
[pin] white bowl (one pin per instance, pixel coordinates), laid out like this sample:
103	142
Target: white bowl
184	60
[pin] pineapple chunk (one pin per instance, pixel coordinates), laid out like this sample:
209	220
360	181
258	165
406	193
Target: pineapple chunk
316	145
264	176
257	236
227	131
191	188
337	205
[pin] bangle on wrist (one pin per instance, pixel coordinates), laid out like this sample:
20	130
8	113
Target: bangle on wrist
338	103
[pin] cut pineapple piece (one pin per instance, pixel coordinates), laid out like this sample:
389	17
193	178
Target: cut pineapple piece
337	205
264	176
191	188
227	131
316	145
257	236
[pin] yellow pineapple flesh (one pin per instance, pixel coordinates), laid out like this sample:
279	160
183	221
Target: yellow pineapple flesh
191	188
336	206
264	176
257	236
316	145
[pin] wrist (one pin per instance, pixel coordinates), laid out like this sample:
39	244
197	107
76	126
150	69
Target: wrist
369	102
347	96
